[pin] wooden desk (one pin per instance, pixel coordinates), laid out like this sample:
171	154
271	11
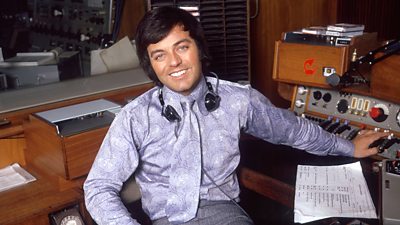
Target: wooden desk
31	203
270	171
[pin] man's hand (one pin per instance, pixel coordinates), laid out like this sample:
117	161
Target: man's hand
363	140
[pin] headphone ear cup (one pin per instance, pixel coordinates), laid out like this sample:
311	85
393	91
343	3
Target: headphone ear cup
171	114
212	101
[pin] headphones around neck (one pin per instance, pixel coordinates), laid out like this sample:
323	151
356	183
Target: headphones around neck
211	101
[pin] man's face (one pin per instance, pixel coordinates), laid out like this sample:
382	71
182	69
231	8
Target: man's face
175	60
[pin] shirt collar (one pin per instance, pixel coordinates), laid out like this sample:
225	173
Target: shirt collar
198	94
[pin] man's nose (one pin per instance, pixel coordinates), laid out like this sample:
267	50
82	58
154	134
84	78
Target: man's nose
175	59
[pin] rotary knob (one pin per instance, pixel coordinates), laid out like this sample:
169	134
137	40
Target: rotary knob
302	90
299	103
379	113
84	37
58	12
342	106
317	95
327	97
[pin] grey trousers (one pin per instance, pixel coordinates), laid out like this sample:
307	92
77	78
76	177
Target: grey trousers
215	213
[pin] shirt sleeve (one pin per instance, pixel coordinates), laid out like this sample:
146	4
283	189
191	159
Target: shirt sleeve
281	126
115	162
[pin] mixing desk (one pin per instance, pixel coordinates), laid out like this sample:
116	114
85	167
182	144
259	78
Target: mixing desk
345	114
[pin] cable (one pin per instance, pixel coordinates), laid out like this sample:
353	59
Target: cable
117	18
230	198
216	86
256	13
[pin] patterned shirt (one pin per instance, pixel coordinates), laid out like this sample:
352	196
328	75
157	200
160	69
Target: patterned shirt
140	141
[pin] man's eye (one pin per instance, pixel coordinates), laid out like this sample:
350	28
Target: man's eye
183	48
158	57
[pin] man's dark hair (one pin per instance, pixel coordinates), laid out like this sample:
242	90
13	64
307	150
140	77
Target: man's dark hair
156	25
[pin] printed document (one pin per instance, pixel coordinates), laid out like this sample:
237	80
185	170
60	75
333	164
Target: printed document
331	191
14	175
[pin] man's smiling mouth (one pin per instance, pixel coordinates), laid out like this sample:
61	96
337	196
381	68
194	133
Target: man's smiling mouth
178	74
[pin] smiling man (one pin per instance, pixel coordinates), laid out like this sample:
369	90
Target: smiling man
176	61
181	138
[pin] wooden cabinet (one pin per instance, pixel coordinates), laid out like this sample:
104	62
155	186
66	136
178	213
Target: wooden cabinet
304	63
69	157
266	26
311	64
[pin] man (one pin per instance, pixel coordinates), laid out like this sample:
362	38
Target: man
180	139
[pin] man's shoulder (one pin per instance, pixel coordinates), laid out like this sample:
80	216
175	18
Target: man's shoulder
226	84
141	101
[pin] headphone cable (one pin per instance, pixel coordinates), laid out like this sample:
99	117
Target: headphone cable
216	86
226	194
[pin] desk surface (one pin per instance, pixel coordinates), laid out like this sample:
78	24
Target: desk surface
35	200
270	170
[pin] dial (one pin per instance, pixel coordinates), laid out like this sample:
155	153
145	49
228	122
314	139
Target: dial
299	103
71	220
379	112
327	97
302	90
342	106
317	95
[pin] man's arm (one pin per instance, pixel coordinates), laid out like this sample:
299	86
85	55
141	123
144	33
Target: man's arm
115	162
281	126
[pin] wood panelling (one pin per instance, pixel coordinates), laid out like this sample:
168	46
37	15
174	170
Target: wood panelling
273	18
267	186
8	152
133	11
44	147
80	151
11	131
385	79
381	16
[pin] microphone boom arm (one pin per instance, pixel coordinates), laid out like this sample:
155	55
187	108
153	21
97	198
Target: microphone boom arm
388	50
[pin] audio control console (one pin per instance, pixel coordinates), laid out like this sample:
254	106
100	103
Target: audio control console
345	114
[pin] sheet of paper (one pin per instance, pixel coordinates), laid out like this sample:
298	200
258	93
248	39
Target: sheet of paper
331	191
120	56
14	175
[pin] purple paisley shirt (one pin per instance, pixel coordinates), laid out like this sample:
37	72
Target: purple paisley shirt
140	141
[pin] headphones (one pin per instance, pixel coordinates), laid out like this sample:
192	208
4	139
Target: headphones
211	101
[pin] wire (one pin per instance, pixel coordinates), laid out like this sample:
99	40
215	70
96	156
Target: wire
226	194
118	17
363	77
256	11
216	86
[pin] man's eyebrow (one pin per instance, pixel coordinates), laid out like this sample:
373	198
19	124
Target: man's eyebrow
155	52
183	40
175	44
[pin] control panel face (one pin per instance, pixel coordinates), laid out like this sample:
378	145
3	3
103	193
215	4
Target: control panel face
73	25
345	114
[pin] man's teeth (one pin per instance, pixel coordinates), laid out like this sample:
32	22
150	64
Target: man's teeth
177	74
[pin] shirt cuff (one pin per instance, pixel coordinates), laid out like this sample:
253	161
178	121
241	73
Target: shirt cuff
343	147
